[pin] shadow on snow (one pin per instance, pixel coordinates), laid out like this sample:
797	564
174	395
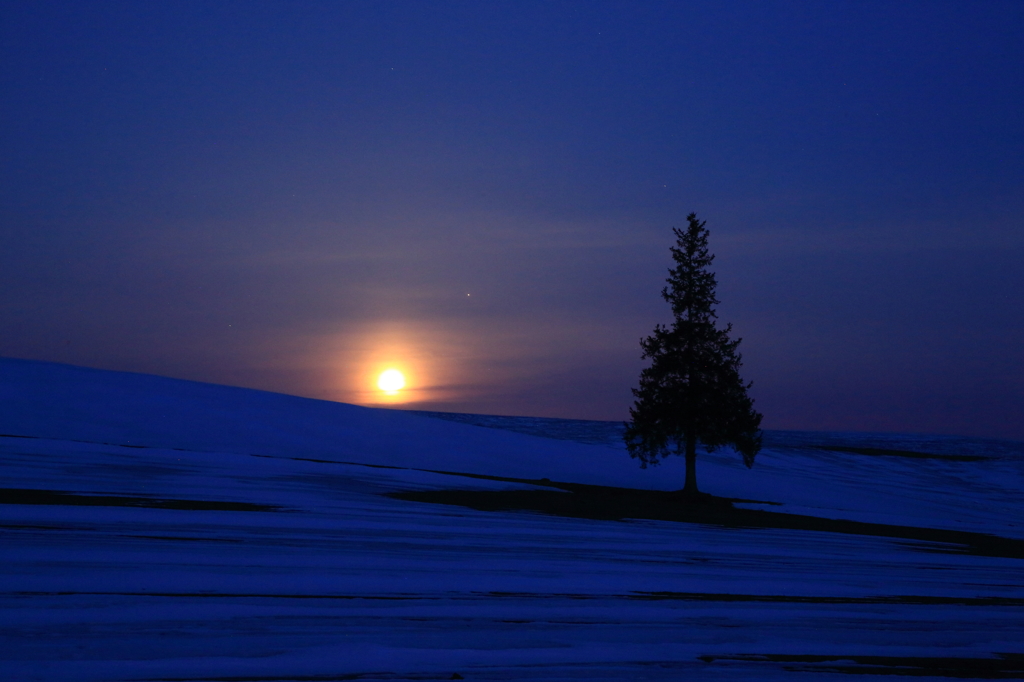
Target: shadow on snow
616	504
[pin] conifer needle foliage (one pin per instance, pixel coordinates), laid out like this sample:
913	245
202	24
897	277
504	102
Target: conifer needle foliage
692	391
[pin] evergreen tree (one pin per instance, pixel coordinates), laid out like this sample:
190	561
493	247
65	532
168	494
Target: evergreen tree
692	392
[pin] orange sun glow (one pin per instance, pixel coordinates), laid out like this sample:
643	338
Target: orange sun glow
391	381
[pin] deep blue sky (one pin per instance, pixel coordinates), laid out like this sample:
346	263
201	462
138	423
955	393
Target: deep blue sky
291	195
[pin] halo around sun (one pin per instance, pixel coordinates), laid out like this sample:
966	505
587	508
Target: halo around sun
391	381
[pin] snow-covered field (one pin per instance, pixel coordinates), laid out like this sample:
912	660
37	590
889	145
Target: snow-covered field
154	529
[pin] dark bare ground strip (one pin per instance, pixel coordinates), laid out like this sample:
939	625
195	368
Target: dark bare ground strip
54	497
616	504
883	452
1005	667
329	677
36	526
233	595
897	599
910	600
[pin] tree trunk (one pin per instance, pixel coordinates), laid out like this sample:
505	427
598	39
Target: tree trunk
691	466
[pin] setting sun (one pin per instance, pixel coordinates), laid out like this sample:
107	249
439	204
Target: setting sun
390	381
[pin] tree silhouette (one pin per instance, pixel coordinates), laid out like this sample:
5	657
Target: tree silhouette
692	392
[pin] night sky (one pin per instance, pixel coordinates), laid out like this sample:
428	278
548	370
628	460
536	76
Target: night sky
293	196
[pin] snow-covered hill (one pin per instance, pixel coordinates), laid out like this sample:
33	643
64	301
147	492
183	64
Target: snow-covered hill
155	529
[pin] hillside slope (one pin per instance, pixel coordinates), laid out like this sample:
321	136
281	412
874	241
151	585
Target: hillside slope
159	529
